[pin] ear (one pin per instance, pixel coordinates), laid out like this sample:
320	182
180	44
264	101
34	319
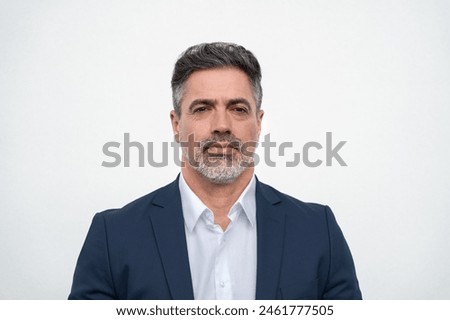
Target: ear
259	117
175	120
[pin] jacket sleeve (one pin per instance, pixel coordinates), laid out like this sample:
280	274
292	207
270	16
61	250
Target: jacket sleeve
342	282
92	278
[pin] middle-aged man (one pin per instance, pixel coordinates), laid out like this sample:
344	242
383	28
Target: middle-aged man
216	232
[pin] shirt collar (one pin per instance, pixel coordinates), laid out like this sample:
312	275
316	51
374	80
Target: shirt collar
193	207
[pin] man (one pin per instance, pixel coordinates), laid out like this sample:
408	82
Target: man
216	232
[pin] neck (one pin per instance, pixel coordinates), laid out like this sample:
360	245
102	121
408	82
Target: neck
217	197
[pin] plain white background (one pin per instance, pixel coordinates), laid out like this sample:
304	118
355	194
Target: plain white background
77	74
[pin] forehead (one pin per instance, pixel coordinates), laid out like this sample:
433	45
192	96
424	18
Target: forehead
227	83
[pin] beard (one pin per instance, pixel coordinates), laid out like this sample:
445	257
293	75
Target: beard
220	159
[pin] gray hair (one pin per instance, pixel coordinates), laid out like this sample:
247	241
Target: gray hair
211	56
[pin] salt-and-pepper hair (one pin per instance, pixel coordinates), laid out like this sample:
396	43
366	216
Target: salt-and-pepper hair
212	56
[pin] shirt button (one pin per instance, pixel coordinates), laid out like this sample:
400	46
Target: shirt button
222	284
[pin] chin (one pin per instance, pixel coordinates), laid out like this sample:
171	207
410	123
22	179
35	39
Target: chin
221	175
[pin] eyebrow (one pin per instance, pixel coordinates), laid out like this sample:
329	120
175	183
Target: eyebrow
238	101
212	102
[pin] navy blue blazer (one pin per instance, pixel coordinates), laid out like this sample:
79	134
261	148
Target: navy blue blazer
140	252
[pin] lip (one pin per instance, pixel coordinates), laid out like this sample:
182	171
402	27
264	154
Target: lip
219	152
219	147
222	145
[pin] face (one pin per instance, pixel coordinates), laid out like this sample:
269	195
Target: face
219	125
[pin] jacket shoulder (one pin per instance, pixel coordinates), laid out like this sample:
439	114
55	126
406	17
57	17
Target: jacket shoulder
295	205
143	204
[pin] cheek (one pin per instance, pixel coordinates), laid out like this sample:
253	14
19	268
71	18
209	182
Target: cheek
248	133
190	132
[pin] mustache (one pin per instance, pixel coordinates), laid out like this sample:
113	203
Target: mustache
217	140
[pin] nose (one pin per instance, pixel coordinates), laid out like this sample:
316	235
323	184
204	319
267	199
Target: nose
221	122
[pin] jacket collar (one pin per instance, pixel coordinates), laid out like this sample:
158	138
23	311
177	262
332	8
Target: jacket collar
270	228
168	227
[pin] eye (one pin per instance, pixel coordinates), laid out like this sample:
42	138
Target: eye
242	110
200	109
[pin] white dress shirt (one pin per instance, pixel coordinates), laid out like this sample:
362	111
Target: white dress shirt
222	263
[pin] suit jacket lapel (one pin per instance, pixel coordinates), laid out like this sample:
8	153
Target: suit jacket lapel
270	228
168	227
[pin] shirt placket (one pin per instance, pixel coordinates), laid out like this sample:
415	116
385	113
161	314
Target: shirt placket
222	270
